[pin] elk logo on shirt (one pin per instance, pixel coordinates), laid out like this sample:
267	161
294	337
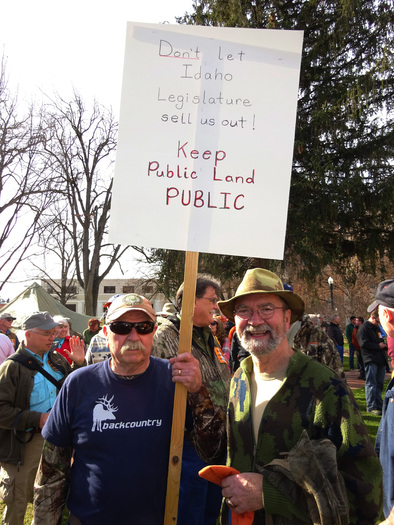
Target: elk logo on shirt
103	411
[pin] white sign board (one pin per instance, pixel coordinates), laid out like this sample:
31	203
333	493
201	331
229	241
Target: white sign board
206	139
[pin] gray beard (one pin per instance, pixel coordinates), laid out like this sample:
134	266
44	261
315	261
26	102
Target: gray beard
260	348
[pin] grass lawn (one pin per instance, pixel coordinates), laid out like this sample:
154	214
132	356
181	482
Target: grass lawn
371	421
29	514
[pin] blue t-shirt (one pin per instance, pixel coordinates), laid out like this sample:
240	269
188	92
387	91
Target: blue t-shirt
120	430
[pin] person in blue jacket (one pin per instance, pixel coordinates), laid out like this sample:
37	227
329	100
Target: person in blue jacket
384	446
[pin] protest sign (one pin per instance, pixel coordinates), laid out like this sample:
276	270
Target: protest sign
206	138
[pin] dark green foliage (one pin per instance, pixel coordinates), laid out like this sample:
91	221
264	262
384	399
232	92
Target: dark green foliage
342	190
170	268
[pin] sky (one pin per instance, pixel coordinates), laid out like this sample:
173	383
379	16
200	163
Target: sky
55	47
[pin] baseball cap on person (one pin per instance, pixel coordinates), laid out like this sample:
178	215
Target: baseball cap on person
40	320
384	295
111	300
6	315
126	303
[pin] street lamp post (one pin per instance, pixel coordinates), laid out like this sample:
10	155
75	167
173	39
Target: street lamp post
331	285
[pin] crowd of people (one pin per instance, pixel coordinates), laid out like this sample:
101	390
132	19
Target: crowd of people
85	419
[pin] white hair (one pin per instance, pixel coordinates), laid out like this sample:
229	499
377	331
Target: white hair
62	320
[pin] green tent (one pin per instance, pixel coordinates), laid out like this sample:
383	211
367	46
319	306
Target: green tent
36	299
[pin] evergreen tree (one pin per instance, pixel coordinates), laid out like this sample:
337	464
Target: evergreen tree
169	269
342	191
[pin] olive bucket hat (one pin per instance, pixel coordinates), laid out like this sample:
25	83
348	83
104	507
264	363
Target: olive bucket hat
259	280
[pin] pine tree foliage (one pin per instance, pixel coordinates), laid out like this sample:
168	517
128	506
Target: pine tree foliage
168	269
342	190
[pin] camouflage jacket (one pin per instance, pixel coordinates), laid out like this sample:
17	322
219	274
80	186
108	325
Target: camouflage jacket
310	471
313	398
213	365
315	342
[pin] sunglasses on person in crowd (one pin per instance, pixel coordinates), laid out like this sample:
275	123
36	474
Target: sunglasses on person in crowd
124	328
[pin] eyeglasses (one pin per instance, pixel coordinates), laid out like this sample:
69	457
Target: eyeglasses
124	328
213	324
213	300
264	312
8	319
52	334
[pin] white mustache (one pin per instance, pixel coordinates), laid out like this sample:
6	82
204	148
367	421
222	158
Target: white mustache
133	345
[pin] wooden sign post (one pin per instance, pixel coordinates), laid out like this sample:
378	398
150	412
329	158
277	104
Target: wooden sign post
180	399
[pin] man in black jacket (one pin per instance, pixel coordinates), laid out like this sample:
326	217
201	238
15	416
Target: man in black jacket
373	351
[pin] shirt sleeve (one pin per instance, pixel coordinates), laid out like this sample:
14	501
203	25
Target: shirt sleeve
51	484
6	348
208	434
12	416
57	429
165	342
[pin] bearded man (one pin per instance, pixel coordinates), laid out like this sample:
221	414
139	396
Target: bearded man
292	423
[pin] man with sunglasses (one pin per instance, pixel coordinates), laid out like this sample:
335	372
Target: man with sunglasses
114	418
29	382
6	321
199	500
295	434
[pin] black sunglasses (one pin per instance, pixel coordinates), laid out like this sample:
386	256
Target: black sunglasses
124	328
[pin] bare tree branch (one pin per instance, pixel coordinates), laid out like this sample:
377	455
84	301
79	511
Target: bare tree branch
23	191
79	150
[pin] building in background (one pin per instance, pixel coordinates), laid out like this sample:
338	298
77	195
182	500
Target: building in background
108	288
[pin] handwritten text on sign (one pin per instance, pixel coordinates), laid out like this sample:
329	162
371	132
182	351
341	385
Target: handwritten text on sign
206	137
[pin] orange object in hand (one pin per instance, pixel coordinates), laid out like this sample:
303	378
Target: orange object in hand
215	474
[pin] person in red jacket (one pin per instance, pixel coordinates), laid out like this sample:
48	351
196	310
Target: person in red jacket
62	336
